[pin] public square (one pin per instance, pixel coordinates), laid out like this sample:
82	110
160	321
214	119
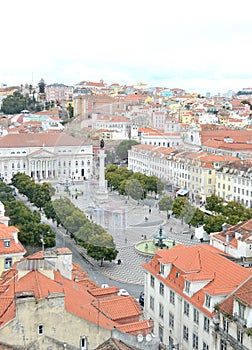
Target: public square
140	221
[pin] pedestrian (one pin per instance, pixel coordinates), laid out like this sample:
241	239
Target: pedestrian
142	237
145	237
170	229
126	240
192	236
149	210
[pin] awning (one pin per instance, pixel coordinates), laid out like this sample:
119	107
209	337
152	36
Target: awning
182	192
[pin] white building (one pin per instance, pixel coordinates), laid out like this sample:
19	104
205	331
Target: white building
45	156
235	240
183	287
234	319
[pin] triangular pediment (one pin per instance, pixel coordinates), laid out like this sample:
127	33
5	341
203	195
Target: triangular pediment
42	153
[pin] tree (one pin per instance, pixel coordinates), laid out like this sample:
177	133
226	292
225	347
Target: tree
124	147
178	206
213	223
41	86
70	111
102	248
154	184
198	218
165	203
134	189
15	103
214	204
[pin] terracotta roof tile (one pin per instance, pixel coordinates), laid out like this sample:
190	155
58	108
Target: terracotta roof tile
119	308
222	276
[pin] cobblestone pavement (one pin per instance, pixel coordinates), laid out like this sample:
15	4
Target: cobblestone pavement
130	270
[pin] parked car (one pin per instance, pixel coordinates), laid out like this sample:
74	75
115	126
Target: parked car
141	299
123	292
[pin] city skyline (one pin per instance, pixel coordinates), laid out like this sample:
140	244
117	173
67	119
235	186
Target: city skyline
183	45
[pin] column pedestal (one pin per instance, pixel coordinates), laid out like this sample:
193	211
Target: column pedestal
102	192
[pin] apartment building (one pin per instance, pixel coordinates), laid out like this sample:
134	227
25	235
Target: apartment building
45	156
234	182
48	302
193	171
115	127
11	250
235	240
58	92
233	327
183	288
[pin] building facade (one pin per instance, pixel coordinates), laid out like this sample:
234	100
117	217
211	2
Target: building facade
45	156
183	285
48	302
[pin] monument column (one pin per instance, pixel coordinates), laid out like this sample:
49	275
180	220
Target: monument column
102	192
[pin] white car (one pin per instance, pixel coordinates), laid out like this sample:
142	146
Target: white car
123	292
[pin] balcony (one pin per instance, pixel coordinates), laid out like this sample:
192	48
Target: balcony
230	340
241	321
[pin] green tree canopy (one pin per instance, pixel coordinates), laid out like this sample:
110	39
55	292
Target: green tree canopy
14	104
134	189
124	147
214	204
165	203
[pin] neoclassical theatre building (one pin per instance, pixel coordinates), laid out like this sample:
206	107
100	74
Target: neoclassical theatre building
45	156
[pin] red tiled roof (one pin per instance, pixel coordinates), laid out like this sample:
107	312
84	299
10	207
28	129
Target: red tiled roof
119	308
38	140
199	262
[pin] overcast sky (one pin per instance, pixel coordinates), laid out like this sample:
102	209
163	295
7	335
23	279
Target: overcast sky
196	45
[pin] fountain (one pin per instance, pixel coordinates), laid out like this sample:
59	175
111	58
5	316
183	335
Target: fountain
159	241
160	238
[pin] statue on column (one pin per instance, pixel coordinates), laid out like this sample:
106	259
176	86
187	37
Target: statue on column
102	144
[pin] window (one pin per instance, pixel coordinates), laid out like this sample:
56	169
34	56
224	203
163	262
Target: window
172	297
7	263
239	335
161	269
161	333
161	310
152	281
205	346
206	324
84	343
161	288
195	341
241	310
171	320
185	333
6	243
187	287
186	308
40	329
208	301
223	345
151	303
195	316
225	324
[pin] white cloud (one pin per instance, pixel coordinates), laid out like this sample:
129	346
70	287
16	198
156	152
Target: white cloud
201	45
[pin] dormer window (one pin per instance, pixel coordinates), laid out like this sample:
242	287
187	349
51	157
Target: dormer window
187	287
161	269
241	310
208	301
6	243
